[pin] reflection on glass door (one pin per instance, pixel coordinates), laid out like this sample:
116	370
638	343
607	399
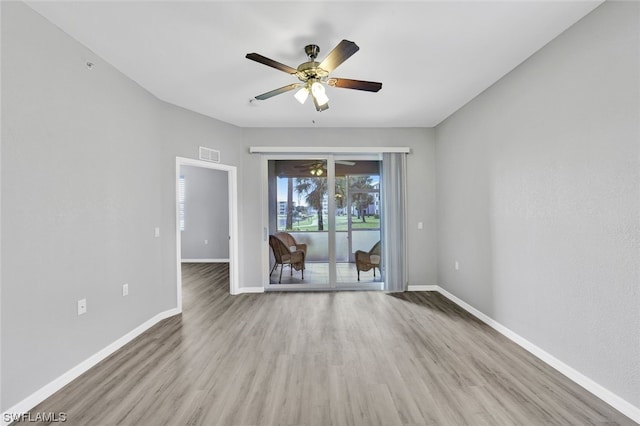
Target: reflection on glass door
304	253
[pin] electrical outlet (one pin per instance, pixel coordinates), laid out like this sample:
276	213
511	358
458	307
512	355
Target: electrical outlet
82	306
125	289
206	241
456	265
420	225
157	232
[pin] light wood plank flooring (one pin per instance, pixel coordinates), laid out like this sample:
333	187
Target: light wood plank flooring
345	358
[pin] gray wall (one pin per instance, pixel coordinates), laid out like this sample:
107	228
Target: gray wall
538	199
88	172
206	232
79	204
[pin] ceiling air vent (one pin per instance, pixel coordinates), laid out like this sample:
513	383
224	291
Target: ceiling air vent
208	154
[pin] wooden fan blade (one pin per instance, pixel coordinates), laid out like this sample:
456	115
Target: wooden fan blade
345	83
278	91
311	166
338	55
271	63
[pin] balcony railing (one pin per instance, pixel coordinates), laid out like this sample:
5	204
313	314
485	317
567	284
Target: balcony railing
318	243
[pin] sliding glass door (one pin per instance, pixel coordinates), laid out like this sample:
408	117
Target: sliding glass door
327	210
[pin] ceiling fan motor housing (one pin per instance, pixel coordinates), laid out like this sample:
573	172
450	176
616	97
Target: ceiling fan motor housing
310	71
312	51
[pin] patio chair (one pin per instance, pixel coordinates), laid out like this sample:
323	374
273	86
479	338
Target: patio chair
366	260
285	256
291	242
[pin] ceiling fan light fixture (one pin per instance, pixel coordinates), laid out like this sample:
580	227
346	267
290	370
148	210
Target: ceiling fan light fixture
316	169
302	95
319	107
318	92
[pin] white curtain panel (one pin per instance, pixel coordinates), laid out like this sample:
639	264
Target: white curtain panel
394	267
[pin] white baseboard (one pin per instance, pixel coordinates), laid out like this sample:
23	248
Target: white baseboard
598	390
414	287
205	260
242	290
49	389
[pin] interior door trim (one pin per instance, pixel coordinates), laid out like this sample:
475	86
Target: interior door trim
232	180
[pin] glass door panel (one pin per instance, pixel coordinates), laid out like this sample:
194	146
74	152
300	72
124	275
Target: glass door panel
341	219
357	190
298	216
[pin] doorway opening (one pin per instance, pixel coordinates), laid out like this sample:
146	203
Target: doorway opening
206	232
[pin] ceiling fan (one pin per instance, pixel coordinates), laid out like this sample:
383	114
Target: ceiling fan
313	74
318	168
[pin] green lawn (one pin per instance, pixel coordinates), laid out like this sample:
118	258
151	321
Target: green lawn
306	224
371	222
311	223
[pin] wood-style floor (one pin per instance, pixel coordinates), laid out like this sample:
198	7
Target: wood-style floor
344	358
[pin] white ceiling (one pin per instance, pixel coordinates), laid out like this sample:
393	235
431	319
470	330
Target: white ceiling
431	56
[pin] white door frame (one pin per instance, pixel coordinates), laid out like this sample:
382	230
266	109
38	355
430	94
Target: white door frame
232	181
